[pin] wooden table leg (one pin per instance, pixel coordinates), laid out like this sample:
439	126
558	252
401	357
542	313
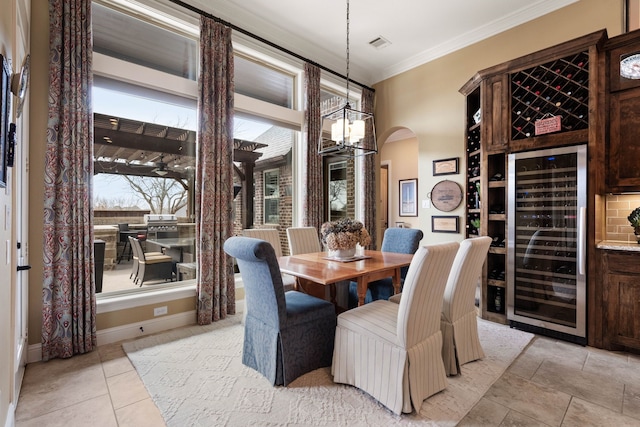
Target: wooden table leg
362	290
396	281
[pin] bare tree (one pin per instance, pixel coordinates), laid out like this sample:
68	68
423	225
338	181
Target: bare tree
163	195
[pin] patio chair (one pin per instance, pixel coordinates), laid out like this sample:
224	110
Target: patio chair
135	265
394	351
156	267
286	334
399	240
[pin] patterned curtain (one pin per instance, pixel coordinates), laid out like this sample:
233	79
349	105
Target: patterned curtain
214	173
313	201
68	289
368	181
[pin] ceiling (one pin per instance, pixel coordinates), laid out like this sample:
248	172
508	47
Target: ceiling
418	30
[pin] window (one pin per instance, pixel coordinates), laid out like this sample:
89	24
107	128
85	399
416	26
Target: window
337	190
271	196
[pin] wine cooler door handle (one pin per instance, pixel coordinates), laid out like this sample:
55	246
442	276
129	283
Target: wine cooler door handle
582	238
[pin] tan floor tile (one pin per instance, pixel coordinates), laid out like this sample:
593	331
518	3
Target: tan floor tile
140	414
526	365
516	419
567	354
584	414
617	366
516	393
117	366
485	413
59	383
126	388
631	404
598	388
96	412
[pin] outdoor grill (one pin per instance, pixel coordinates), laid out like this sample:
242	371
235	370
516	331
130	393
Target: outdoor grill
161	226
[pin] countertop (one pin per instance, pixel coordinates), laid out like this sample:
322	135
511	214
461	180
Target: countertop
618	246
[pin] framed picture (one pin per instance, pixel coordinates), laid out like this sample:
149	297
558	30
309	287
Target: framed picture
5	107
409	197
445	224
446	166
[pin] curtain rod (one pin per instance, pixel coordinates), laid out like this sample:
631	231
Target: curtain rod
263	40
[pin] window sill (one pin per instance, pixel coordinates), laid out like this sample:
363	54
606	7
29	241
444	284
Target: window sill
130	299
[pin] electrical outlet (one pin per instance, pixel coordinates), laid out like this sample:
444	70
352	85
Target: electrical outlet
159	311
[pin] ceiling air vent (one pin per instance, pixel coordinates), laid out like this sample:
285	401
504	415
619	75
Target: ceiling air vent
379	42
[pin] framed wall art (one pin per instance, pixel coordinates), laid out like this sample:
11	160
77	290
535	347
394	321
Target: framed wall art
446	166
409	197
445	224
5	108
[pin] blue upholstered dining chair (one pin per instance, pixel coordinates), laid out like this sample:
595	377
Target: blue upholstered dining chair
286	334
399	240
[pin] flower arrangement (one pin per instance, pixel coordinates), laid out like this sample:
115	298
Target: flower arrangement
634	219
343	234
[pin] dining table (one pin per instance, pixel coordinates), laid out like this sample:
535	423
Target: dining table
365	267
174	246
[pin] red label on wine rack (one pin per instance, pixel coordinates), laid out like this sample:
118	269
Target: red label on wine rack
548	125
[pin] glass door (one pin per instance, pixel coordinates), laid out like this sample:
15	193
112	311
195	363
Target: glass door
547	201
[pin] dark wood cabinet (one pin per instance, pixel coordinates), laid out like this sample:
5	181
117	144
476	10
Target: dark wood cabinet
624	144
496	99
621	283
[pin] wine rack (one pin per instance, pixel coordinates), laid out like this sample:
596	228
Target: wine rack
474	159
556	88
497	229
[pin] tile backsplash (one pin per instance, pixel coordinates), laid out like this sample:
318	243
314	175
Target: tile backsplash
618	209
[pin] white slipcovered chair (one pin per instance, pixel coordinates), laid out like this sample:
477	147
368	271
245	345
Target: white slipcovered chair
303	240
272	236
394	351
306	240
459	323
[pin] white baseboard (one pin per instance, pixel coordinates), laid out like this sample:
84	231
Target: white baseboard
11	416
125	332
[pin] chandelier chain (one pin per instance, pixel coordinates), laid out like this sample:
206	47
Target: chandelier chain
347	52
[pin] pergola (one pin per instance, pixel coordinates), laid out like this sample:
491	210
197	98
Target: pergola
130	147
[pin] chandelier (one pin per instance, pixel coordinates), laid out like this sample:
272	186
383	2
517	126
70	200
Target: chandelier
352	131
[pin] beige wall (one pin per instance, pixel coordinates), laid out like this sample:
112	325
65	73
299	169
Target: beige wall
402	158
426	98
38	130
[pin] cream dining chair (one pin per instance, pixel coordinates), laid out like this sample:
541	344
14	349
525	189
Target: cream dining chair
458	321
303	240
306	240
272	236
394	351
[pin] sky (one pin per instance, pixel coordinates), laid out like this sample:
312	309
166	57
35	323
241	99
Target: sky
168	113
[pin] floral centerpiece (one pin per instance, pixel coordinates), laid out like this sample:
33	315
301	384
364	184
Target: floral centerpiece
634	220
342	236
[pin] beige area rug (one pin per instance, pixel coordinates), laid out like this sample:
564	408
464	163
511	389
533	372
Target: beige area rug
196	378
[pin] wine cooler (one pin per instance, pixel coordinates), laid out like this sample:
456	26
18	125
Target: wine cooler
546	242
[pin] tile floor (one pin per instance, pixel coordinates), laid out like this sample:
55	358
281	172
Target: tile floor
552	383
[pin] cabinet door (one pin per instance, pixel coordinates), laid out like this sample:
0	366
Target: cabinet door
624	144
623	317
495	112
